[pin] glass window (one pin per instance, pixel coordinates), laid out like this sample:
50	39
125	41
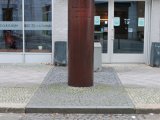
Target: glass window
11	26
101	24
129	27
38	34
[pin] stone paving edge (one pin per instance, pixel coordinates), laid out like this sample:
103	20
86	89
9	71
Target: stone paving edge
147	110
11	110
85	109
89	110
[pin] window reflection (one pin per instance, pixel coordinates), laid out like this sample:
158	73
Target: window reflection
129	34
11	26
101	24
38	25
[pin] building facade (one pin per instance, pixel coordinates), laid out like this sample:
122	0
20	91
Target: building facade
125	29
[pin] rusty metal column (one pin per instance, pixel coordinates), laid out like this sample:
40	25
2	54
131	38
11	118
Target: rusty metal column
80	43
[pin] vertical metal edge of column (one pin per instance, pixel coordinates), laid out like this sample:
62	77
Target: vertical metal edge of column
149	36
145	49
150	25
23	36
110	29
67	32
147	28
52	12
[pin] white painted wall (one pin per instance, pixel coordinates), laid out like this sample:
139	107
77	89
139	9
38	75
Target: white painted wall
60	20
153	35
11	57
38	58
155	21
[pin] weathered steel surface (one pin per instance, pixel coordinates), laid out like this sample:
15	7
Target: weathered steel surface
80	43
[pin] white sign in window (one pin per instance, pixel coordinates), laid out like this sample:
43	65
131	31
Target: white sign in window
116	21
140	22
97	20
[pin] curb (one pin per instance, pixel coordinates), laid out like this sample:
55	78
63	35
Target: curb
12	110
147	110
82	110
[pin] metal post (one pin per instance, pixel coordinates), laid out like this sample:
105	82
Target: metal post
80	43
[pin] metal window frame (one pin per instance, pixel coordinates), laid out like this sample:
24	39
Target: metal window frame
24	47
146	52
24	53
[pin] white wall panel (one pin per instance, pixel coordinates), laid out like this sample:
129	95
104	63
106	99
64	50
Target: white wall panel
60	19
38	58
155	21
11	58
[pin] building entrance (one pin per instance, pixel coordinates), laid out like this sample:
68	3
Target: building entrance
120	28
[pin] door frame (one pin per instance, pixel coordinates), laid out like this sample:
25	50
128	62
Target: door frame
111	57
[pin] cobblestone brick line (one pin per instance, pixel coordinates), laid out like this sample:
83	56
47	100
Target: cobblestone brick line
56	116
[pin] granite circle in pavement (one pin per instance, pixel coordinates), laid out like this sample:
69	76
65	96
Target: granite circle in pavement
55	93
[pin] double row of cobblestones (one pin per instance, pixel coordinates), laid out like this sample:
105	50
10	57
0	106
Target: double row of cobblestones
79	117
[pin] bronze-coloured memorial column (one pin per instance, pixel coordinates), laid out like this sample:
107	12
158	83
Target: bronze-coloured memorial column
80	43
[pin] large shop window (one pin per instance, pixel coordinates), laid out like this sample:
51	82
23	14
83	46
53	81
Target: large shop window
38	35
37	26
11	26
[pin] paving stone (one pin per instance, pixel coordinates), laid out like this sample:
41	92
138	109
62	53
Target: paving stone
123	117
81	117
148	116
138	75
18	82
10	116
22	75
54	92
37	117
56	116
142	83
143	96
15	95
138	87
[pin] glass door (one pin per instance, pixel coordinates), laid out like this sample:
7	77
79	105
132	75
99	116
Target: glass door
120	29
128	31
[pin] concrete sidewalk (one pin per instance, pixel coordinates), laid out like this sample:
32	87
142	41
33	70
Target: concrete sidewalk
42	88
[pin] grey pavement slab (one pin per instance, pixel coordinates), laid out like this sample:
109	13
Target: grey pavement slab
18	83
137	75
22	75
106	95
142	83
